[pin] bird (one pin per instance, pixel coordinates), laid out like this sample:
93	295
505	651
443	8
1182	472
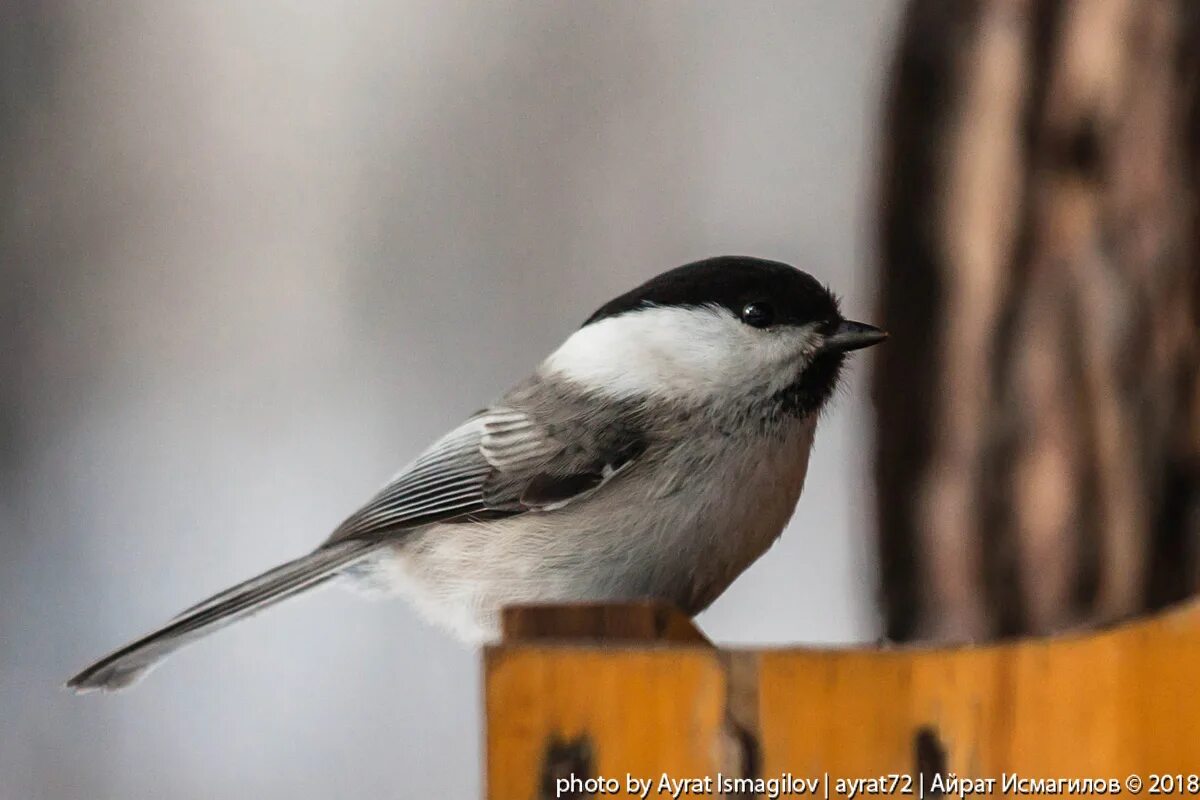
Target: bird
656	454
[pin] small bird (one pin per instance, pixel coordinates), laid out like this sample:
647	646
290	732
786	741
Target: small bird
656	454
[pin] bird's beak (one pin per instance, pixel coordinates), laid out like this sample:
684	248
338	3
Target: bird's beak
852	336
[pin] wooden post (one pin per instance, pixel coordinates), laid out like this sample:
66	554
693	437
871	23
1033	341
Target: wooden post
1105	705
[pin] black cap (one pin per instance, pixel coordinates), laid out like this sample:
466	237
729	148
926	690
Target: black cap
733	282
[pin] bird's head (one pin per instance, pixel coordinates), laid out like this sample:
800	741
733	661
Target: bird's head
731	328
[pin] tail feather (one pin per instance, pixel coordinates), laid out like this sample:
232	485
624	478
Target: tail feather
129	664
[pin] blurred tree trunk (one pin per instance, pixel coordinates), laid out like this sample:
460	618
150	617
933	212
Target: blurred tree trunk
1038	405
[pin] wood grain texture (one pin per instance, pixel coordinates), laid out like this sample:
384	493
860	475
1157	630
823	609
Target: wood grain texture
1101	704
633	710
634	621
1038	444
1109	703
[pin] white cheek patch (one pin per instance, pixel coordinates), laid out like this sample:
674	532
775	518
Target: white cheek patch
681	352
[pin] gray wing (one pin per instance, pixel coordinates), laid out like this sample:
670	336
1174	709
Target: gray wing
499	463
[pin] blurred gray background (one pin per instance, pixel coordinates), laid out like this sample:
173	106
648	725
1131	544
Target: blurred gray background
255	255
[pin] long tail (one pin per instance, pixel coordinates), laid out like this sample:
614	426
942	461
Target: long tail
129	664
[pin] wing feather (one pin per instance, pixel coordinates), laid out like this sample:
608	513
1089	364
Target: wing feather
500	461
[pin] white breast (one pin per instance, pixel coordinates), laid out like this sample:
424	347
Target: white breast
680	529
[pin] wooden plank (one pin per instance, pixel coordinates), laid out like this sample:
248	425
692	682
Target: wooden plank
633	621
1102	704
1108	703
556	712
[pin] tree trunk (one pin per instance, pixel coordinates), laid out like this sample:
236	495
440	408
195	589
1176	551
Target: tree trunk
1038	409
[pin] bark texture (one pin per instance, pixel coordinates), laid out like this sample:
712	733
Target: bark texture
1038	405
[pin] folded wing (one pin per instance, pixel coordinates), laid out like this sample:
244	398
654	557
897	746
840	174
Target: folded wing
499	463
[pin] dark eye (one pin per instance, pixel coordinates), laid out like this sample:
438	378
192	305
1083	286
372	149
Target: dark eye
758	315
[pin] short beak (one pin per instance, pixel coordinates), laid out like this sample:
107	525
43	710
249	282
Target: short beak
852	336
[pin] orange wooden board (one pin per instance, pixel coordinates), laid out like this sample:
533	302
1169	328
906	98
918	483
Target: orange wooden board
1105	704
